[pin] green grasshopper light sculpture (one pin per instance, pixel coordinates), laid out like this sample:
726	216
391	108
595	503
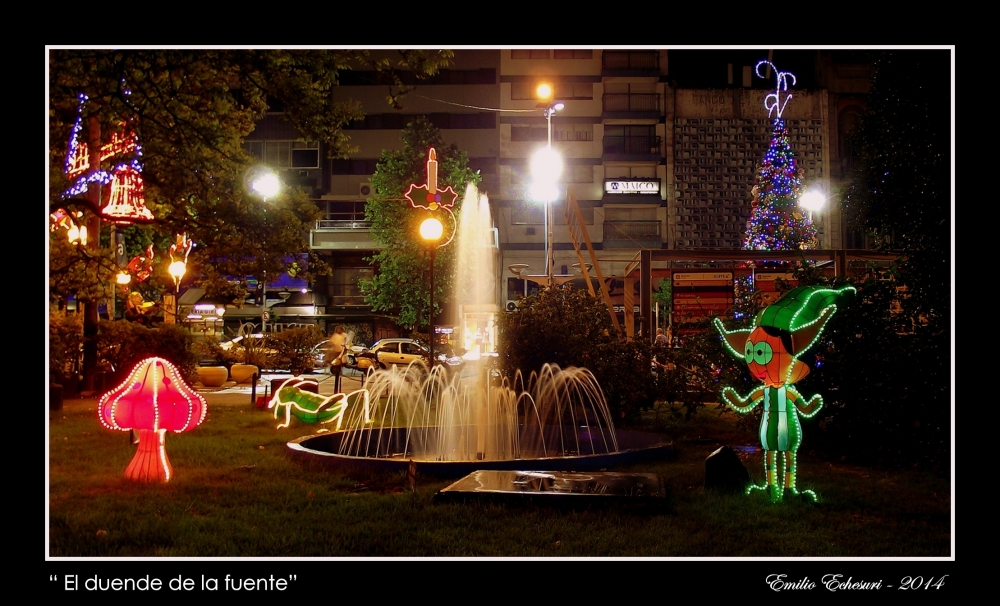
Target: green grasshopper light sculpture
782	332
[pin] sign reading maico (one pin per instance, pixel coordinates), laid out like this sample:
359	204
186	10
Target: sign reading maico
631	186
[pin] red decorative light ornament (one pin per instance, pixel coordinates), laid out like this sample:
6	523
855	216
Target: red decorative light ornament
153	400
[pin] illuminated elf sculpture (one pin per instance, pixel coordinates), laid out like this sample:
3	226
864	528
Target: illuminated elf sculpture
782	332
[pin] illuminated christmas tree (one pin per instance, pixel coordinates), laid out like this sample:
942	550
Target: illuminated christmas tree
776	221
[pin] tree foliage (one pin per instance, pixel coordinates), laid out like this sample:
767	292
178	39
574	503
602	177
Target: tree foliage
894	391
900	191
191	110
400	284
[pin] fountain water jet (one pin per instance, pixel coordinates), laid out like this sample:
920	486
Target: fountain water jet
454	423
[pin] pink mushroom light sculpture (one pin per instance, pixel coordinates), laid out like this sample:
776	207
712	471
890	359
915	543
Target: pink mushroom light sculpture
153	400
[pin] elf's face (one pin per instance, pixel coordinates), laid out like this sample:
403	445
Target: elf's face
767	357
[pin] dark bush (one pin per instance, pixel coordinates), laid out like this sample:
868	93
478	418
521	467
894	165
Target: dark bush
570	328
121	345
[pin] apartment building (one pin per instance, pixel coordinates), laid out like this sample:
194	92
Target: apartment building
659	148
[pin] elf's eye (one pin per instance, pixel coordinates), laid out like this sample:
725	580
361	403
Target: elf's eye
748	352
762	352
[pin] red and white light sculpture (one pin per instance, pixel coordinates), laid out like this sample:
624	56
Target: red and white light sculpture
153	400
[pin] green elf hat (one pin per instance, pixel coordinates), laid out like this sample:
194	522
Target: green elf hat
804	312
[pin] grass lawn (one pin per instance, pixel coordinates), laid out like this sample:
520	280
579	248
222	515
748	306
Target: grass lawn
238	493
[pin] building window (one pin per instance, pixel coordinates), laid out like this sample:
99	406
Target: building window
572	132
525	212
520	132
344	285
573	90
362	166
523	91
338	210
579	174
284	154
573	53
524	53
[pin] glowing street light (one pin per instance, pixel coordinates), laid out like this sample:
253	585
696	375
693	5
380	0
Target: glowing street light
265	183
546	167
812	200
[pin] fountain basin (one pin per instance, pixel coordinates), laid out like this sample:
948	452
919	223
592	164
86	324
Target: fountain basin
634	446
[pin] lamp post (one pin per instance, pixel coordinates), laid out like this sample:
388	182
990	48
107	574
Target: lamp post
431	230
177	270
265	184
546	166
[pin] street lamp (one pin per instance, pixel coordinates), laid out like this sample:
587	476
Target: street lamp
812	200
431	230
176	270
265	184
546	167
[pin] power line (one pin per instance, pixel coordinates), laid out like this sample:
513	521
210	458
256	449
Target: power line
489	109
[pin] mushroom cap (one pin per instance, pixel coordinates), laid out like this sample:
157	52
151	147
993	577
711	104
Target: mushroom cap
154	397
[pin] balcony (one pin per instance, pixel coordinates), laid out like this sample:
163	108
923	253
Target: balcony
632	147
341	224
630	63
633	234
631	105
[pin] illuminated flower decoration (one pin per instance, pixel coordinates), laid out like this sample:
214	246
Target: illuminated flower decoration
782	332
181	246
428	196
153	400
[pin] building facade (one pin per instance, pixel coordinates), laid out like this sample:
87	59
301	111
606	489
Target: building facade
659	150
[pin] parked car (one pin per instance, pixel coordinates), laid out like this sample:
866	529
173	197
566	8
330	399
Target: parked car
402	351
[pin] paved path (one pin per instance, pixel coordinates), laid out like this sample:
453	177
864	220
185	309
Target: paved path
231	394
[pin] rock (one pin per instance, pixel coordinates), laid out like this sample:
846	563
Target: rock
725	472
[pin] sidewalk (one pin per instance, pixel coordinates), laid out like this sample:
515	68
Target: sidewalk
231	394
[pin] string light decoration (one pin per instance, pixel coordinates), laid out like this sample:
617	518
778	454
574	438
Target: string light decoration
126	198
780	333
141	266
776	221
313	408
153	399
428	196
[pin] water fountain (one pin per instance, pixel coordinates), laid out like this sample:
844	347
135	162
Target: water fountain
449	424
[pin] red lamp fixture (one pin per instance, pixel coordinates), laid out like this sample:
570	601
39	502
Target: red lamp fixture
153	400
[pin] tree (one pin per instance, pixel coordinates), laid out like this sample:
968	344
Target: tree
190	111
892	401
569	327
399	284
900	191
776	222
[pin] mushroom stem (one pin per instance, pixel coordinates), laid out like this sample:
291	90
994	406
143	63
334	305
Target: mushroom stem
150	463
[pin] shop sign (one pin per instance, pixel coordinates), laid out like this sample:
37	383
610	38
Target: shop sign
632	186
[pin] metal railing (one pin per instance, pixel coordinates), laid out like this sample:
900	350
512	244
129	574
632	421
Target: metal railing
631	102
630	60
342	224
631	144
